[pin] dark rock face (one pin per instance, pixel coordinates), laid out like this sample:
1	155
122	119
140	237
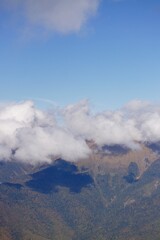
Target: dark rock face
62	174
115	149
133	169
133	172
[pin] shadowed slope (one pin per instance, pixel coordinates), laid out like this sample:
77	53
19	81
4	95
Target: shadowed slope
62	174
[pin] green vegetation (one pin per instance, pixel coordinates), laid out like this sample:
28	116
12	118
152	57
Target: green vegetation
108	208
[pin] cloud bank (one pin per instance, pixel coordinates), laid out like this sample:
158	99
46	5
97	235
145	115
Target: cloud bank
62	16
30	135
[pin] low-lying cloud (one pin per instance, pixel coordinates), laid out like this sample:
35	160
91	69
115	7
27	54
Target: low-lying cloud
137	121
31	135
63	16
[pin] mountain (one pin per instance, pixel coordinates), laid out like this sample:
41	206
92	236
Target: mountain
114	194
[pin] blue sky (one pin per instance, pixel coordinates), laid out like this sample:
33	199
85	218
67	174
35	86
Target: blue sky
111	58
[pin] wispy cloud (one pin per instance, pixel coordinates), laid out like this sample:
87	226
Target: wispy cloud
64	16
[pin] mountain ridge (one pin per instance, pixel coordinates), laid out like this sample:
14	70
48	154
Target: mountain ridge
107	196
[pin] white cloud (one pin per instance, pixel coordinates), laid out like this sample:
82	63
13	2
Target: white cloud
35	136
138	121
31	135
103	128
63	16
